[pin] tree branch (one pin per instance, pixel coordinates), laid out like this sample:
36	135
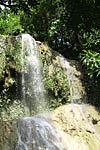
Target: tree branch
8	5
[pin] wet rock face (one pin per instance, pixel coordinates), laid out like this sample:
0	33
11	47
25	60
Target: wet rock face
75	124
74	74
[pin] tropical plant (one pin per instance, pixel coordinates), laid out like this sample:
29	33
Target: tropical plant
10	23
55	79
91	56
91	60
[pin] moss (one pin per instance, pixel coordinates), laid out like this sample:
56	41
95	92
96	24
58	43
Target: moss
13	53
55	79
10	60
2	65
2	56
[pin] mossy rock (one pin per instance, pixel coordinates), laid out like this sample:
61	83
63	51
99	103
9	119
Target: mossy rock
55	78
10	64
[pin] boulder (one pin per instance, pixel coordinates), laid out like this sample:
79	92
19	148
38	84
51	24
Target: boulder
78	126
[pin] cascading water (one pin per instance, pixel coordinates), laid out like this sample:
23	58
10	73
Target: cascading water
74	76
33	92
37	134
34	133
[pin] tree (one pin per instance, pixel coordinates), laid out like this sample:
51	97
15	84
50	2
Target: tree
10	23
53	19
74	14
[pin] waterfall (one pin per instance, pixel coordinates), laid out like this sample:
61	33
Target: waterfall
37	134
33	92
74	76
34	132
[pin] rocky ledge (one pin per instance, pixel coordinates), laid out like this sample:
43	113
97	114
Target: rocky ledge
78	126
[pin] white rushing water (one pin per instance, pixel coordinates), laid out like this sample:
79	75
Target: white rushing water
34	133
74	76
33	92
37	134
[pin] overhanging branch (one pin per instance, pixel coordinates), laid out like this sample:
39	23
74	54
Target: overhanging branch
8	5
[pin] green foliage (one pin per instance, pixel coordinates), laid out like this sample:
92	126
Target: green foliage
43	18
55	80
91	56
91	40
91	60
54	27
10	23
10	58
2	66
14	111
57	83
5	97
13	53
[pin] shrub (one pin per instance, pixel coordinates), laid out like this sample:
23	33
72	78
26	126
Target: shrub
55	79
10	23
